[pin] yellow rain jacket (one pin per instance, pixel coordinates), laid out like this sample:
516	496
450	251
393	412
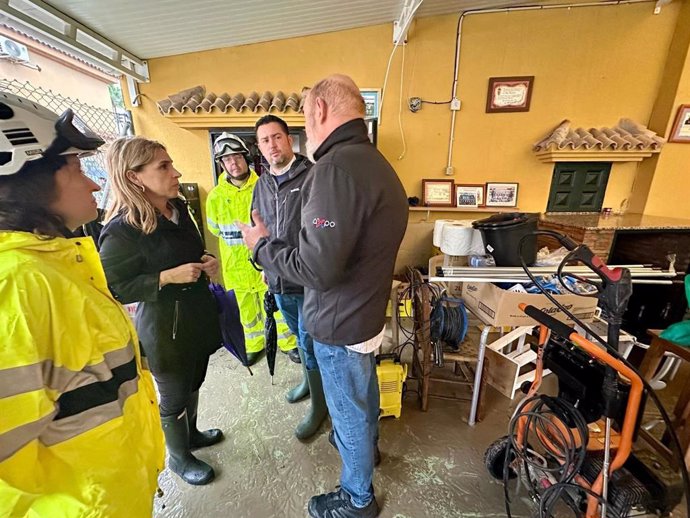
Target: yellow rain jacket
80	434
225	205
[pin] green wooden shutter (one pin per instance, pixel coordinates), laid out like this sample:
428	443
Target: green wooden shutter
578	186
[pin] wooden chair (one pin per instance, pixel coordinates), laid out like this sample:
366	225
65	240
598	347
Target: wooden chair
680	417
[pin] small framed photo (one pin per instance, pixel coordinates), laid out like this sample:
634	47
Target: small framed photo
509	94
438	193
681	126
469	195
371	98
501	194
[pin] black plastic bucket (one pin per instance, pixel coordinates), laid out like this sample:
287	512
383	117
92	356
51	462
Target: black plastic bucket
502	234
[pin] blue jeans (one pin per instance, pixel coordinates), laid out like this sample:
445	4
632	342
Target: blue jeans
352	396
291	308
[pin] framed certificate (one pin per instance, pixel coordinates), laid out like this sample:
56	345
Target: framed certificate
509	94
438	193
681	126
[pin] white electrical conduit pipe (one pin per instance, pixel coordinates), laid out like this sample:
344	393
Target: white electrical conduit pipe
402	33
502	10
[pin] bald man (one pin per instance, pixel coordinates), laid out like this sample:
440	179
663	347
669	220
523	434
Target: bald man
353	220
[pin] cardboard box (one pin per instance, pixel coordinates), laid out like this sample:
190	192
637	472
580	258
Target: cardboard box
416	246
499	307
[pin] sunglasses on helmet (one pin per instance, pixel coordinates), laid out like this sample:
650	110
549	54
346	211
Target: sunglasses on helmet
73	135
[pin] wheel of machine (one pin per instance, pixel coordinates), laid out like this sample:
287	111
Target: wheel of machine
495	458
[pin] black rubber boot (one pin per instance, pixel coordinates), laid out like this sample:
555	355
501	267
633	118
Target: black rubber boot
252	358
199	439
181	461
318	411
294	355
301	391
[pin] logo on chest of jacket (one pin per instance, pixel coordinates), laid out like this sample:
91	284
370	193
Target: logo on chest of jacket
323	223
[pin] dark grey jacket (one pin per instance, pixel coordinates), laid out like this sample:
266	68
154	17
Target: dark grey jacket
353	220
281	209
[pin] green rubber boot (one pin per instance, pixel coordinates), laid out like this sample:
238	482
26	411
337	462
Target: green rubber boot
318	411
198	439
180	458
301	391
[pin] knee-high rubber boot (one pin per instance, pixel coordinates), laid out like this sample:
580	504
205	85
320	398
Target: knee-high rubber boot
318	409
301	391
181	461
199	439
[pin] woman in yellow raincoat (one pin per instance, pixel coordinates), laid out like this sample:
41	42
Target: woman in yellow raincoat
80	434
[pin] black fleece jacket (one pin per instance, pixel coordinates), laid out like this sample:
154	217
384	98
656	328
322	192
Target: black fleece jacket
353	220
280	207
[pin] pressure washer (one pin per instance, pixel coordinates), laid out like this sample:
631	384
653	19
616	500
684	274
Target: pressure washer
577	452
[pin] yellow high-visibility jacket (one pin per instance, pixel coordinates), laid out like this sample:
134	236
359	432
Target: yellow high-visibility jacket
80	434
225	205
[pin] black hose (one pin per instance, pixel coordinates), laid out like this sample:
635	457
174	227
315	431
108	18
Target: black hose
613	352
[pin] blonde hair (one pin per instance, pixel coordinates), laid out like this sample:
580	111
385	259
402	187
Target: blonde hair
131	154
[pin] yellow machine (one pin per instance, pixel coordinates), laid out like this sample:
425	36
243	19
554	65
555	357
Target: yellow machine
391	376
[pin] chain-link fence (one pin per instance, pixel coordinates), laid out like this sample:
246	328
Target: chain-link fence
109	124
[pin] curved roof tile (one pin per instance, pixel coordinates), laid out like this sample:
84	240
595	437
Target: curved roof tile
196	100
626	135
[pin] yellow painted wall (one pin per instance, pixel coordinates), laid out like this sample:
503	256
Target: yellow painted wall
592	65
669	191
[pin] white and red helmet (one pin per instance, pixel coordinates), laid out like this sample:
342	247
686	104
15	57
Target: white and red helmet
28	131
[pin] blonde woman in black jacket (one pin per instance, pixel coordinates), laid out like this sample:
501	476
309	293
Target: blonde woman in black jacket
152	254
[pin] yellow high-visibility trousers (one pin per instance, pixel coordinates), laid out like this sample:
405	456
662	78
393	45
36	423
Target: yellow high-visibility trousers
253	317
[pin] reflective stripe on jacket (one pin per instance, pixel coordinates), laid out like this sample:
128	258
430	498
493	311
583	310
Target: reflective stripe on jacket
80	434
225	205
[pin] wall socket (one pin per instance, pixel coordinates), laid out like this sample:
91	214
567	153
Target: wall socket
415	104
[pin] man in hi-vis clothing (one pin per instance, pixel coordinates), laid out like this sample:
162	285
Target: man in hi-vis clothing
230	201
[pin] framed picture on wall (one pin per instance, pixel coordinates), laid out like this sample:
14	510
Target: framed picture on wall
681	126
371	98
438	193
509	94
469	195
501	194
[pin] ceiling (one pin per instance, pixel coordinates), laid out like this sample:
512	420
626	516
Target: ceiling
156	28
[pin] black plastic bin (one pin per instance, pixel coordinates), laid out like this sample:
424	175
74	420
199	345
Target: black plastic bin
502	234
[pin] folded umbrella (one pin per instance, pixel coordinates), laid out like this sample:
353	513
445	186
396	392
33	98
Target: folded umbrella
271	332
231	327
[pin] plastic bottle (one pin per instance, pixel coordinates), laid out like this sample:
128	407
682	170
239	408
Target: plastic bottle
481	260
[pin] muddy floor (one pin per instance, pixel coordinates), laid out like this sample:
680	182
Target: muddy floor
432	461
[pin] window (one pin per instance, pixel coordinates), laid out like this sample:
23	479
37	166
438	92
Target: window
578	186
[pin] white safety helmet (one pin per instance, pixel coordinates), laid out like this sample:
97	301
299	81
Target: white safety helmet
229	144
29	131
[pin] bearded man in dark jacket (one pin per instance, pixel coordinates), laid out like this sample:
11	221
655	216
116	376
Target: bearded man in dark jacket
353	220
278	196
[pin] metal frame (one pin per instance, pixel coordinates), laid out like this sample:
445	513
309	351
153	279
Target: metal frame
115	56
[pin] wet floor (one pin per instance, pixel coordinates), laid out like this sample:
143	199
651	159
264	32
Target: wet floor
432	461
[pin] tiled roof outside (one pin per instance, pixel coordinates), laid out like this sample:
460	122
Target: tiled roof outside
627	135
196	100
